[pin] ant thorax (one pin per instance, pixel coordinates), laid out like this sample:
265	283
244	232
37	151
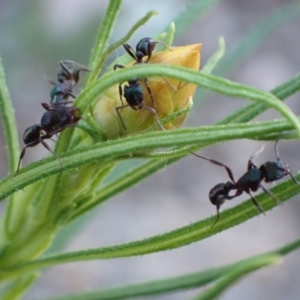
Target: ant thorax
250	180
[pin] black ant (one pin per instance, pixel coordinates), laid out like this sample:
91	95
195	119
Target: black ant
133	92
144	47
134	96
67	78
56	118
250	181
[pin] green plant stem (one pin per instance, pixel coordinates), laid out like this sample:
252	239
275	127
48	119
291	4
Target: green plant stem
105	31
194	280
171	240
12	140
9	123
129	179
123	40
158	287
244	114
207	81
215	58
236	274
19	287
252	110
170	34
127	147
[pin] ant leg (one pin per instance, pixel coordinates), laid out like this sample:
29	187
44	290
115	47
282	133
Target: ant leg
229	172
48	148
277	151
119	114
73	109
21	157
118	66
251	164
218	217
172	86
73	74
269	193
68	102
47	106
69	93
64	103
120	85
286	169
130	51
150	48
256	203
155	115
62	63
161	42
74	122
149	92
51	81
121	93
72	62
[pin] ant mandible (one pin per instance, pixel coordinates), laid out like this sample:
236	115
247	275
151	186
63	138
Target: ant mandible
67	78
56	118
133	92
249	182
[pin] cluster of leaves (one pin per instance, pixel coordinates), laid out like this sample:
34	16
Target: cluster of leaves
52	199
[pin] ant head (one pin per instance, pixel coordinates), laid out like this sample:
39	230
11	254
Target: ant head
134	82
145	47
220	192
32	134
70	71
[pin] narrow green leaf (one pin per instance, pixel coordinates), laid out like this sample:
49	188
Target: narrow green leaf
9	123
178	283
123	40
173	239
125	148
215	58
18	287
170	34
129	179
105	31
148	168
244	114
12	139
252	110
237	274
207	81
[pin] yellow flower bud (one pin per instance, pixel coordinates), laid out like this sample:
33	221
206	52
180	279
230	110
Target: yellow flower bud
170	95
